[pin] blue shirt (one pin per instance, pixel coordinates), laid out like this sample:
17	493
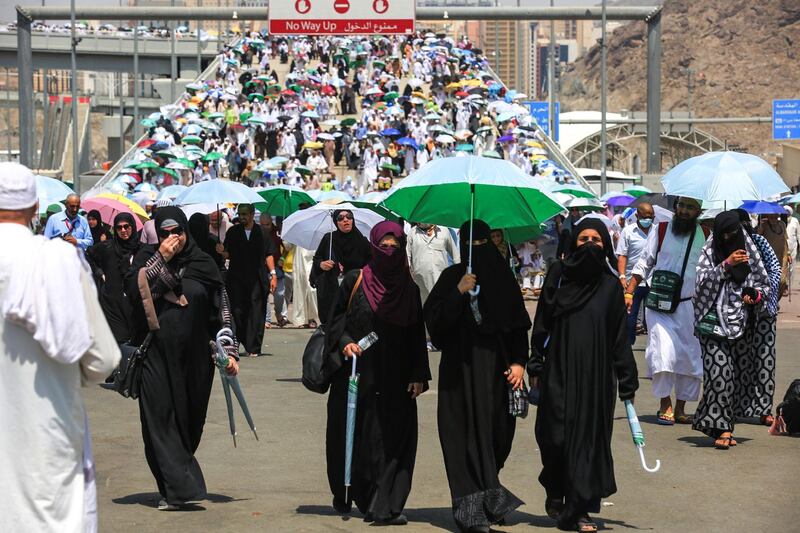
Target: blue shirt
59	225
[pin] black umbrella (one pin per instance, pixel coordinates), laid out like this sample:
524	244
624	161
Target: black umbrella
667	201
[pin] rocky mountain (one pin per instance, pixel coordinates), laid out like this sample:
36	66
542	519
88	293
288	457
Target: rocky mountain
742	54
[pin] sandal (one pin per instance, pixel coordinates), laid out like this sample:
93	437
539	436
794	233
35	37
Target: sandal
665	419
585	525
724	442
553	507
684	419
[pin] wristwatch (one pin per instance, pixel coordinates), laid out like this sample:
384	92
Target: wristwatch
272	272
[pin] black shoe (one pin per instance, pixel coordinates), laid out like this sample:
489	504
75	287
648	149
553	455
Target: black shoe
341	507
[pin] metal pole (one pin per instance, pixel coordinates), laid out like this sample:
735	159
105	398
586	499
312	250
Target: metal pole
520	86
25	85
654	93
173	59
603	95
121	119
8	115
497	41
551	73
219	29
136	82
74	85
199	59
45	115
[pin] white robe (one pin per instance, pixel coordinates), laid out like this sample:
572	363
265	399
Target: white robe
428	257
47	463
672	345
304	308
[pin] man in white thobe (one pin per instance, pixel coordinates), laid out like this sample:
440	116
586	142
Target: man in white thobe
430	250
53	338
304	297
674	360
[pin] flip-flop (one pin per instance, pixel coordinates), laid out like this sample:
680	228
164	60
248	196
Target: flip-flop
684	419
664	419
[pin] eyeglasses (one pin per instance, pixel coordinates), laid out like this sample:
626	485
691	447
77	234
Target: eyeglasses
166	233
344	217
123	227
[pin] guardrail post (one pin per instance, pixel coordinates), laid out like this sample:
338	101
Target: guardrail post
25	87
654	93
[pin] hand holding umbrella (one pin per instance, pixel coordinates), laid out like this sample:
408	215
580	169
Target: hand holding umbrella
638	435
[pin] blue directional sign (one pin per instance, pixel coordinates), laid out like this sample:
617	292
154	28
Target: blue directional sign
785	120
541	112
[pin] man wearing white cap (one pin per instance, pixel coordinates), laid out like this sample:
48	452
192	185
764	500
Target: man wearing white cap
53	338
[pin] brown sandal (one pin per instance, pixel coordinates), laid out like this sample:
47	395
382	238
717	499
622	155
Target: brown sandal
724	442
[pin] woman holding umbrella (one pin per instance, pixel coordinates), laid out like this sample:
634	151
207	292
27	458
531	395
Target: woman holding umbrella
111	260
338	253
393	372
480	361
179	301
577	371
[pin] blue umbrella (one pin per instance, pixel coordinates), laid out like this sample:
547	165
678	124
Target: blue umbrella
51	190
638	436
724	177
171	192
408	141
763	208
192	129
352	402
390	132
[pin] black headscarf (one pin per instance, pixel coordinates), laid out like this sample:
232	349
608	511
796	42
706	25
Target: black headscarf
744	218
499	300
729	222
575	279
198	229
194	263
350	249
99	229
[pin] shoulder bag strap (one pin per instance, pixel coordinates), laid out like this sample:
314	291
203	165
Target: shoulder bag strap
688	251
355	288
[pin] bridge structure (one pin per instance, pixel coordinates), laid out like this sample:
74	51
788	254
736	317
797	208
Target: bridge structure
26	61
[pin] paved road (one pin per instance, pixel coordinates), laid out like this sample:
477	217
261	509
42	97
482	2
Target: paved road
279	483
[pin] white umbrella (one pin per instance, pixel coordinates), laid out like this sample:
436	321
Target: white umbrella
325	136
307	227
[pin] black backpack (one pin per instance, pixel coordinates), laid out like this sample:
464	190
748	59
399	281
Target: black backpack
789	408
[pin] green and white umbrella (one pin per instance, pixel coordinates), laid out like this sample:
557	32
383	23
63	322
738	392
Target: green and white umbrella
452	190
575	190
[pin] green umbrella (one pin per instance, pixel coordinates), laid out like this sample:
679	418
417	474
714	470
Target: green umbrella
637	190
215	116
253	83
466	147
296	88
452	190
148	123
212	156
575	190
522	234
169	171
373	202
391	95
349	122
244	116
391	166
165	153
255	96
147	164
191	139
492	154
186	162
305	171
283	200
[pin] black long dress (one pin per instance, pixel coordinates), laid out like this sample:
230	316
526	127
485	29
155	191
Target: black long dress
247	283
178	372
385	444
111	264
350	251
475	428
586	359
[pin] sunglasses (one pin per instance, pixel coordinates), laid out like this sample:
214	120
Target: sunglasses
344	217
122	227
174	231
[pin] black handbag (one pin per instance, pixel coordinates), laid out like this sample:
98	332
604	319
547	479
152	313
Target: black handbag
128	375
319	365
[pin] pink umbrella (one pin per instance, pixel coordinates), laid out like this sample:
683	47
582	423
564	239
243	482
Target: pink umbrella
108	209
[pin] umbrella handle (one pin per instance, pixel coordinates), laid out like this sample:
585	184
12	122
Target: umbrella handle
644	463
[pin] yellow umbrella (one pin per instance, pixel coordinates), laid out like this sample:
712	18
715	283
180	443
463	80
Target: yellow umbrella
134	207
534	144
419	94
314	145
471	83
453	86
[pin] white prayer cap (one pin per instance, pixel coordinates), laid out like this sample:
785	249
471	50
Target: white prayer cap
17	187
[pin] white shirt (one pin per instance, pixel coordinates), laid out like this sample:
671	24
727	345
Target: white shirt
631	244
46	459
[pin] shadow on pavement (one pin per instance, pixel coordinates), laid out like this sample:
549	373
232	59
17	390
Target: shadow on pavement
606	522
150	499
289	380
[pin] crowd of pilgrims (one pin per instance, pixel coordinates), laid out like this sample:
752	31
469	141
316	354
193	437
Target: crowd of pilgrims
181	279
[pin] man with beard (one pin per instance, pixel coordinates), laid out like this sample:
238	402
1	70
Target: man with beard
673	352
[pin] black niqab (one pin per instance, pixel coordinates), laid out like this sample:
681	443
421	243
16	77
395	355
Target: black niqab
729	222
194	263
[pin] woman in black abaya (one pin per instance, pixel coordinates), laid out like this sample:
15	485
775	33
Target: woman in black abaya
350	251
394	371
204	239
111	260
479	362
580	358
177	294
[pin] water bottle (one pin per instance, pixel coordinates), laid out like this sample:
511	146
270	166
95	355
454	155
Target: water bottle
368	340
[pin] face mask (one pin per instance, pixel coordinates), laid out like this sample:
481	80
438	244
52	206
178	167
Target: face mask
645	222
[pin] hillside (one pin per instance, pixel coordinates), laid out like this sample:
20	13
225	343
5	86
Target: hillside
744	54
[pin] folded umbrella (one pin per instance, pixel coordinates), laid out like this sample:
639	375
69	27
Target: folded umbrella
638	436
224	337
